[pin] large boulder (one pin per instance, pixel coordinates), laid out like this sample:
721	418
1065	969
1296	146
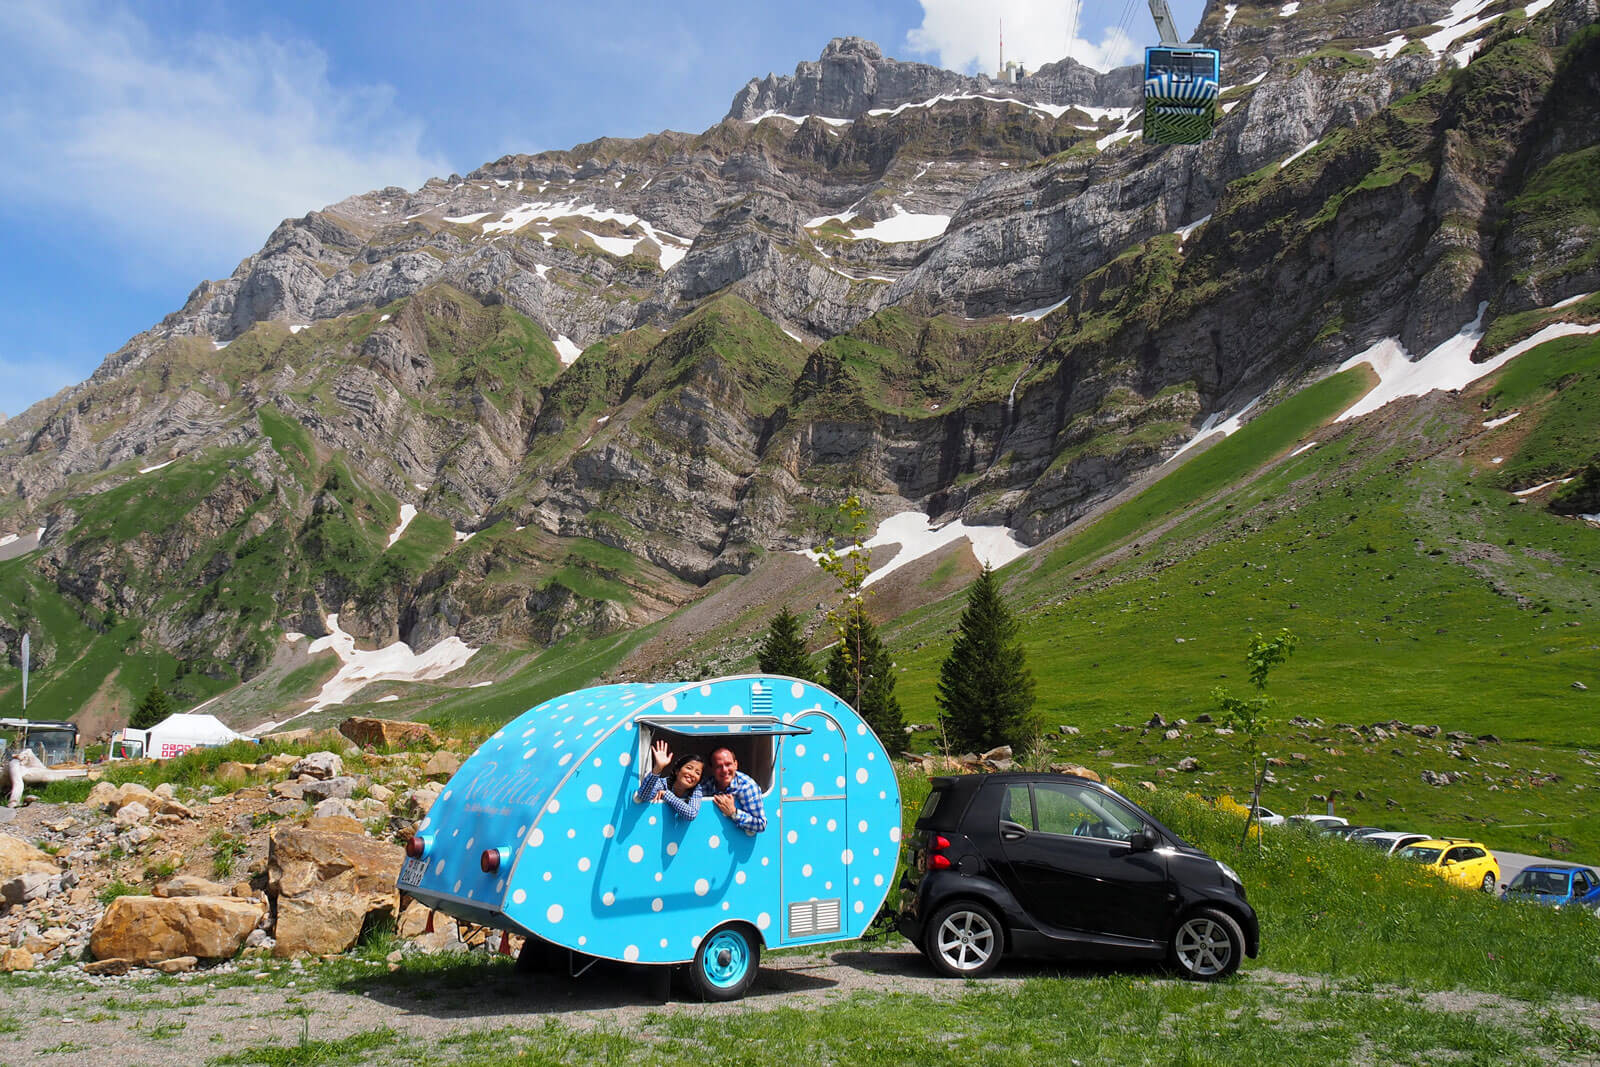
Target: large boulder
31	885
17	857
134	793
321	765
147	929
16	959
441	764
329	878
388	733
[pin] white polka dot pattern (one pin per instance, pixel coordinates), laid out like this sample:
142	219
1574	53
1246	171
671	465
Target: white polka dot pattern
555	788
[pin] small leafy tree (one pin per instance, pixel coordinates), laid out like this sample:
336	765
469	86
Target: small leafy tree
1248	716
154	708
784	650
985	692
859	667
860	660
848	566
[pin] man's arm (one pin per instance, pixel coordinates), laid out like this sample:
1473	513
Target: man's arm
750	812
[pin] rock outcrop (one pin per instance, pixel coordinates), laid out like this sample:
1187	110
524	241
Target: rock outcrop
148	929
327	880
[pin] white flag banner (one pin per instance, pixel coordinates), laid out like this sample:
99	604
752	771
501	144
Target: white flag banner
24	672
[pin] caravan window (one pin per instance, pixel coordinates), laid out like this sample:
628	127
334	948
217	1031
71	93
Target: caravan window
756	753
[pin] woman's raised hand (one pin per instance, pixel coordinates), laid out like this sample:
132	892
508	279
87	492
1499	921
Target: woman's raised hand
661	754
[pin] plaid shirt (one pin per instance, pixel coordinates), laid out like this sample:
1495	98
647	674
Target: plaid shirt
687	807
749	812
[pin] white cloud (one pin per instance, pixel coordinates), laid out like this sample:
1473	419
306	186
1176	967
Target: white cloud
965	36
184	147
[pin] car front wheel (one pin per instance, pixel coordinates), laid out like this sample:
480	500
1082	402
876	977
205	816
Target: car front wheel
1207	945
964	940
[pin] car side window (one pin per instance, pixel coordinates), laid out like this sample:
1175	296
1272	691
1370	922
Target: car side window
1076	811
1061	810
1016	806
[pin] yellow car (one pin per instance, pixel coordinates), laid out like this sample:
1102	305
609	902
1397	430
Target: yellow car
1455	859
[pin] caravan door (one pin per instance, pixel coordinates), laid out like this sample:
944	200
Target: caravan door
814	773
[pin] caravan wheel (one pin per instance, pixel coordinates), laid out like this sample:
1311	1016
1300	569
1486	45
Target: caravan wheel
725	964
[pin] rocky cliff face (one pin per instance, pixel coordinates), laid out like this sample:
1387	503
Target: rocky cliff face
980	300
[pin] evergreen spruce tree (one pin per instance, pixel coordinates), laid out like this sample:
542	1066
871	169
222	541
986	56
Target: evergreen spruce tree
875	699
985	694
784	650
154	708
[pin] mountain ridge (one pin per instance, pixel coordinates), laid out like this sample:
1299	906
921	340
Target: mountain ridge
977	308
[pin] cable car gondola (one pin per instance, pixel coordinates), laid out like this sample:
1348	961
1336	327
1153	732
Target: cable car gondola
1181	86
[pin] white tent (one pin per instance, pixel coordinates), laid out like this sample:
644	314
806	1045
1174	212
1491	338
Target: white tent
177	734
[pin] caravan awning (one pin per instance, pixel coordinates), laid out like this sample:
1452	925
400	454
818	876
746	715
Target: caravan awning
721	725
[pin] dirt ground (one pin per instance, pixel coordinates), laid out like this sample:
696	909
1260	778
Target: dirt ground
192	1018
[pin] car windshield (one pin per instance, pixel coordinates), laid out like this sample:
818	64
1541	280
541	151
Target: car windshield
1538	882
1420	854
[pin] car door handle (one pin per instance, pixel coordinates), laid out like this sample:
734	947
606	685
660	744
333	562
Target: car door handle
1010	831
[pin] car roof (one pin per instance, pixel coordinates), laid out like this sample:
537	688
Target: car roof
975	781
1561	867
1390	835
1450	842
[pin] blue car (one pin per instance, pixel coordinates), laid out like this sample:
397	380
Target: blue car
1555	885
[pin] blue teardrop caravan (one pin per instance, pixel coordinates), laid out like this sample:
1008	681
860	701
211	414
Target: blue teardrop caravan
538	833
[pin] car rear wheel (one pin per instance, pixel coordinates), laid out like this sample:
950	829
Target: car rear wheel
1207	945
1488	882
964	940
725	964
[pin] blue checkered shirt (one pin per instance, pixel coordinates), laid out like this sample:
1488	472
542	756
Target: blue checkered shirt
749	811
687	807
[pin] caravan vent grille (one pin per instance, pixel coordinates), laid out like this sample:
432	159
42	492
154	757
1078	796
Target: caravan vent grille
814	917
760	699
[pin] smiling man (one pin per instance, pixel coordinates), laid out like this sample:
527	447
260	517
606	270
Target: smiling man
736	794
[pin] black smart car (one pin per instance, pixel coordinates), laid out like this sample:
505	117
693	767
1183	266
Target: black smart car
1055	865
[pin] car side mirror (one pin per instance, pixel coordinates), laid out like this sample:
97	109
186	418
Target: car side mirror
1142	841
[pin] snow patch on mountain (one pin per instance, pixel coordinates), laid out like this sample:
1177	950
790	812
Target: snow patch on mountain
360	668
1449	366
914	532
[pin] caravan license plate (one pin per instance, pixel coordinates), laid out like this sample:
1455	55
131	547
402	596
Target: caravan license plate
411	871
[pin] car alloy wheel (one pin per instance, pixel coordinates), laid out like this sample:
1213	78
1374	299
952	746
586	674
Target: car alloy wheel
963	940
725	964
1207	945
1488	882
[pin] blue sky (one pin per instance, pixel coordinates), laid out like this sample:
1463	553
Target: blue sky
151	146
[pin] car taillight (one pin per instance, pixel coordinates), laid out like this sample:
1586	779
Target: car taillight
491	859
937	860
416	847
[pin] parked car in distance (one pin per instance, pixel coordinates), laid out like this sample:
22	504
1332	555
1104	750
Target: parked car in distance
1465	863
1556	885
1352	833
1390	841
1318	822
1056	865
1268	817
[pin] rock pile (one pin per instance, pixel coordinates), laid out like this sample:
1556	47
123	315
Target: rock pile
135	876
